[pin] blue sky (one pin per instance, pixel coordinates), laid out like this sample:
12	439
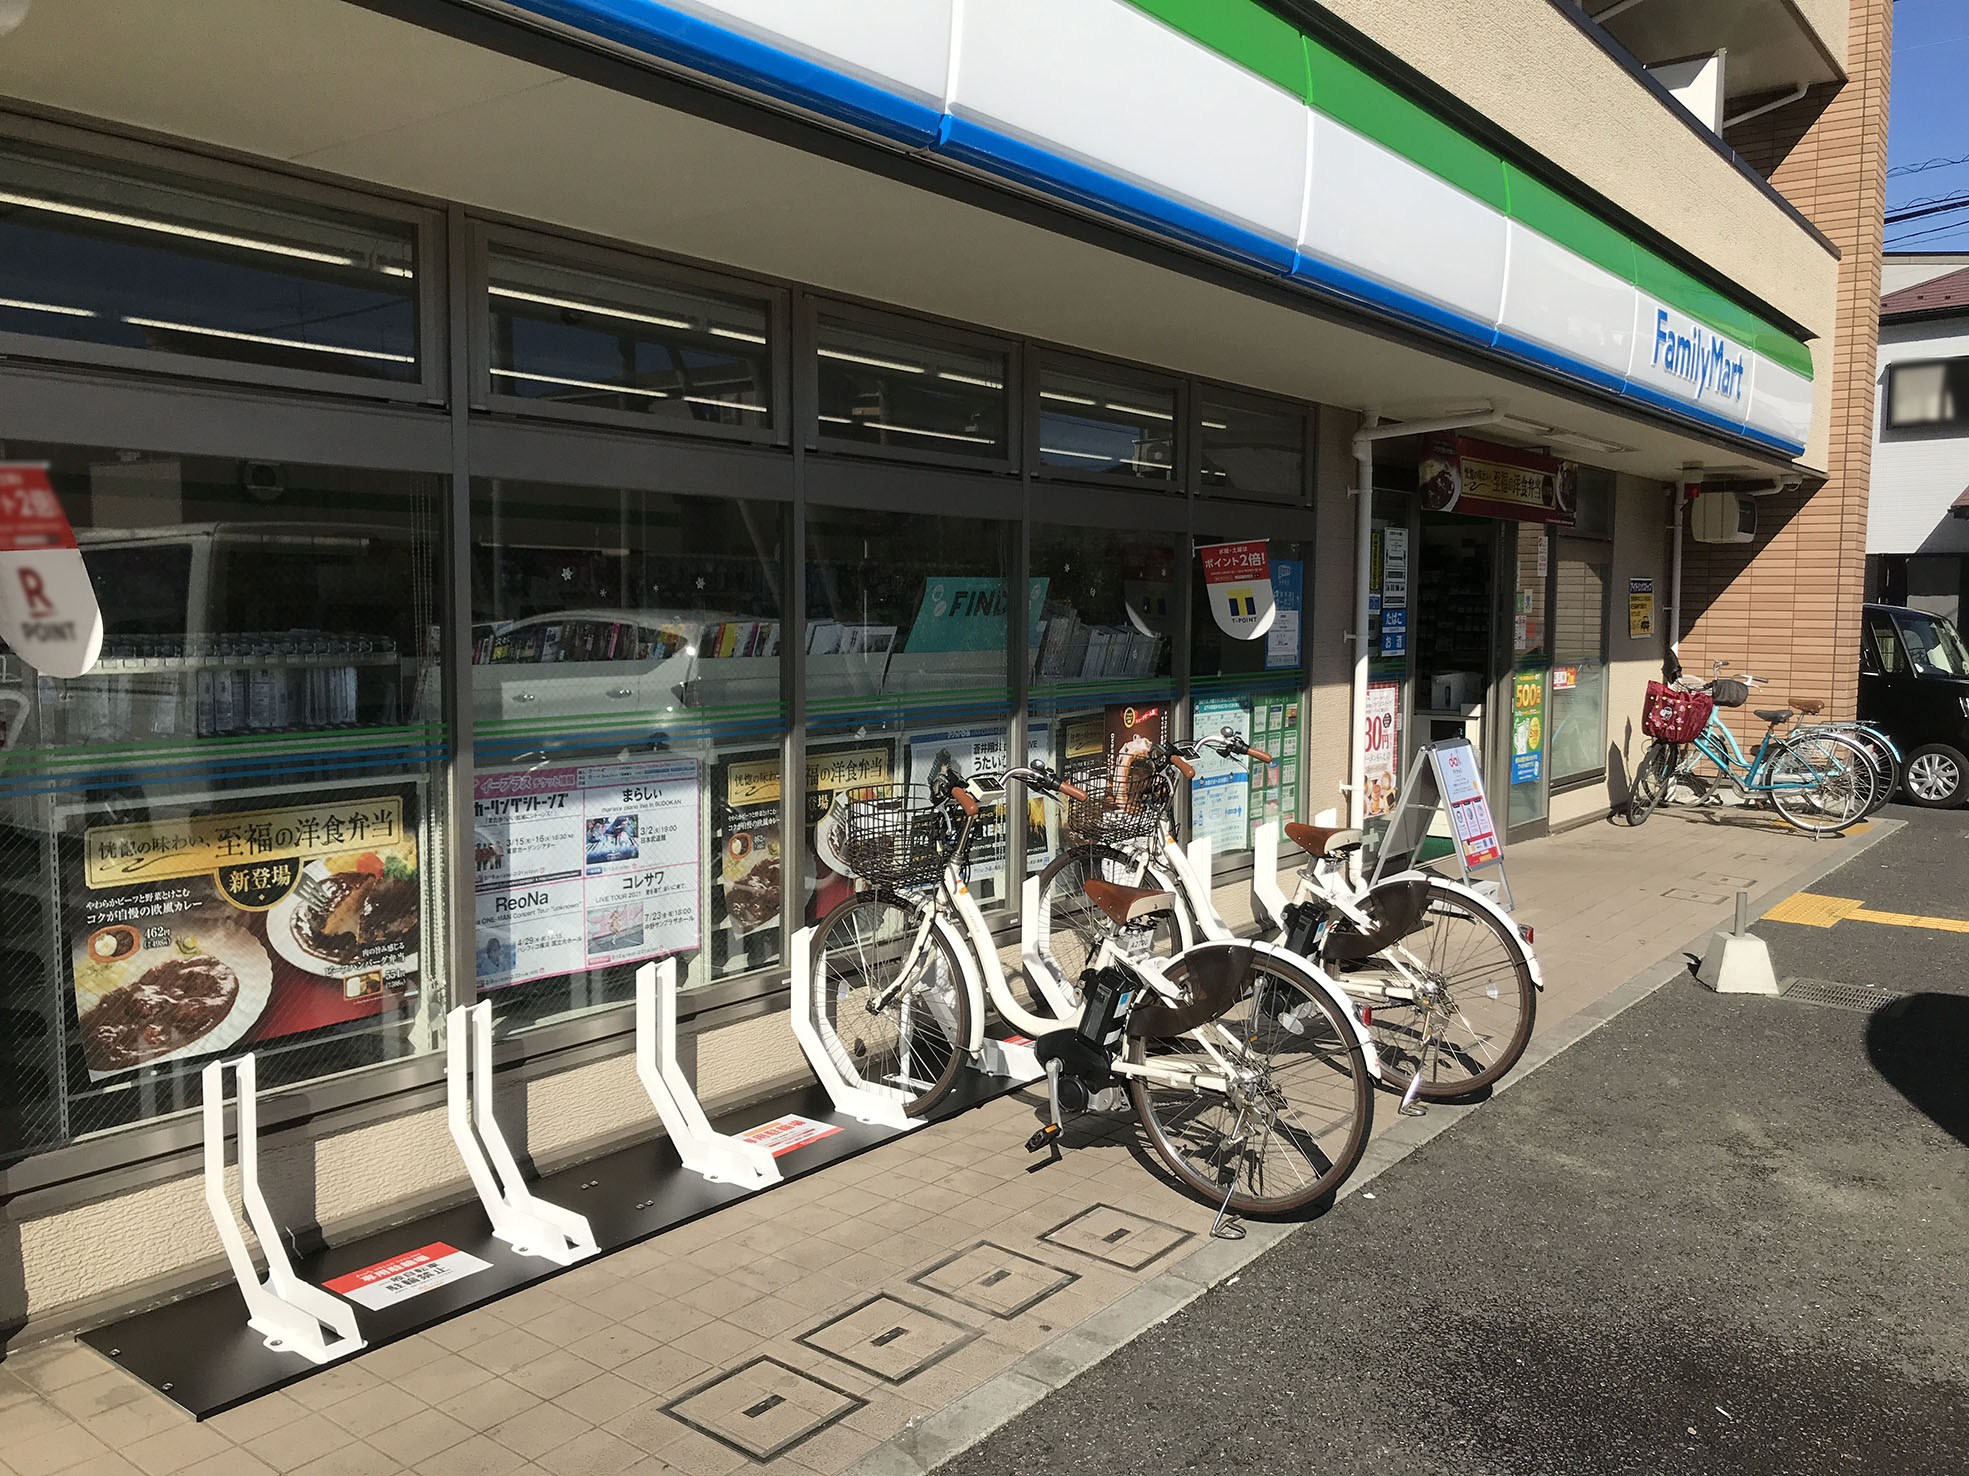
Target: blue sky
1928	118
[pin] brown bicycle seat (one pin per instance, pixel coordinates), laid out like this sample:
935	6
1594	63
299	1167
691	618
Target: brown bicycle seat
1128	904
1774	715
1321	840
1808	705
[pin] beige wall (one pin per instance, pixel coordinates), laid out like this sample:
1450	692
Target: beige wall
1639	552
1329	711
1827	18
1528	68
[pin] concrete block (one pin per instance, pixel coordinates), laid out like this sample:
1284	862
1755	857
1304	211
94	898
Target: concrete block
1738	964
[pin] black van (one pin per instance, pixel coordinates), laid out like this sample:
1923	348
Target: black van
1914	684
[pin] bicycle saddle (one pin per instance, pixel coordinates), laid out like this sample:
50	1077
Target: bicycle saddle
1808	705
1128	904
1774	715
1321	840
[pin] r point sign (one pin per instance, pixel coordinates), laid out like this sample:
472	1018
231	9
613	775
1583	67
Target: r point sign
48	610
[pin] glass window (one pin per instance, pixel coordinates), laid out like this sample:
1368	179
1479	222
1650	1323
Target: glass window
107	255
1253	453
627	715
229	834
1933	647
578	338
1107	423
1927	394
911	392
1531	654
1101	663
1578	745
1254	685
907	666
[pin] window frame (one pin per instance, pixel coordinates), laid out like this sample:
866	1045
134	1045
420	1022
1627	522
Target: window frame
808	311
484	234
1563	785
428	246
1961	420
1042	357
1206	390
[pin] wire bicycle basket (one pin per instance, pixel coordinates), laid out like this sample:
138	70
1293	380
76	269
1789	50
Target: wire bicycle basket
898	835
1111	814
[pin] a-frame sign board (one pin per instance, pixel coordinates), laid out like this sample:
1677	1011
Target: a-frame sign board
1444	775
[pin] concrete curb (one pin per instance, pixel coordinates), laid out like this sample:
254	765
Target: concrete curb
924	1444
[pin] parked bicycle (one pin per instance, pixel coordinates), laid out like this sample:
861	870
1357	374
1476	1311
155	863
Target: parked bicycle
1819	780
1248	1070
1443	979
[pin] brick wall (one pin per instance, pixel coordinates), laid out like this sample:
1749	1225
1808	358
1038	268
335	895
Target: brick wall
1788	605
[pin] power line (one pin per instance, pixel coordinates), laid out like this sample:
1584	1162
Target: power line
1939	207
1925	165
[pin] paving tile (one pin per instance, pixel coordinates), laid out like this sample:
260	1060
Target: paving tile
721	1296
352	1460
508	1349
718	1343
603	1397
612	1346
1119	1237
109	1463
441	1376
539	1430
294	1445
420	1437
565	1323
257	1417
669	1322
833	1450
44	1454
484	1405
172	1450
885	1414
230	1462
553	1375
889	1338
477	1455
993	1279
763	1408
593	1453
57	1365
664	1370
116	1409
378	1409
768	1315
334	1384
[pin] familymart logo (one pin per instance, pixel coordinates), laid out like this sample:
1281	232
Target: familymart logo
1702	358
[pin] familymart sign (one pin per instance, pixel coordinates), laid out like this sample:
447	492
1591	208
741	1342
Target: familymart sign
1704	362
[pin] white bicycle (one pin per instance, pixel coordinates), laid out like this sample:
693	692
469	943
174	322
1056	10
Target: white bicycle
1438	973
1248	1070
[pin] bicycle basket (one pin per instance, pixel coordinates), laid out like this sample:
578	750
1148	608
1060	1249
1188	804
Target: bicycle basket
1107	815
1675	716
1729	691
895	834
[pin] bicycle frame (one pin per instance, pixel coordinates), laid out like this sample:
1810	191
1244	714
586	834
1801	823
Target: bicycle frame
1728	757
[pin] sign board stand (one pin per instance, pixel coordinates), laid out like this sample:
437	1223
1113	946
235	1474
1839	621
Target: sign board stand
718	1157
1450	764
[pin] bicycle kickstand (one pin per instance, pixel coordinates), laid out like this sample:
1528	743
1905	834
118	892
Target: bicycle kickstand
1224	1227
1049	1135
1410	1107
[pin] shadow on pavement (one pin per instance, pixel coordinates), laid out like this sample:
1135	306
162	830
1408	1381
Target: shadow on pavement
1920	1046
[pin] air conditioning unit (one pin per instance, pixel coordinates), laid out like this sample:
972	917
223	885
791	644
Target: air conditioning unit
1723	517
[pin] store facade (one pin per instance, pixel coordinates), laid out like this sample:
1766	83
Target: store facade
497	589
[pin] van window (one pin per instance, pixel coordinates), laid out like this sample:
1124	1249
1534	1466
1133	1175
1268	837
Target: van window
1933	647
1881	651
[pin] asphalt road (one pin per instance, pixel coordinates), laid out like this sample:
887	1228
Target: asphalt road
1718	1235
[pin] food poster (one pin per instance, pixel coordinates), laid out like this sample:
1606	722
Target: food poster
1379	775
836	774
1221	792
583	867
969	751
240	925
1043	816
1130	730
1527	726
747	831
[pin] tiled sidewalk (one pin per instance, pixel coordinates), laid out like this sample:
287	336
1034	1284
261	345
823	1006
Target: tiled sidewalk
798	1330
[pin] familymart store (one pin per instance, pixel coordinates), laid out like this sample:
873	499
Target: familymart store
508	548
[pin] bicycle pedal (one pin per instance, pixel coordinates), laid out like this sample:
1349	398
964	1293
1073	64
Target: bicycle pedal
1041	1138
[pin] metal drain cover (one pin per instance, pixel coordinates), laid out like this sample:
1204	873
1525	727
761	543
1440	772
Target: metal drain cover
1838	996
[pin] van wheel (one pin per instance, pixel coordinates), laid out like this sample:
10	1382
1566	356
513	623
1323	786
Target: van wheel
1937	777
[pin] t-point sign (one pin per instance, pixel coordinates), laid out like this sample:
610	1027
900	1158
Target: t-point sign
48	610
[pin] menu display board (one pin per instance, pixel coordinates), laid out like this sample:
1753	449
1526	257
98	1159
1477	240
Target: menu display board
241	923
1463	794
583	867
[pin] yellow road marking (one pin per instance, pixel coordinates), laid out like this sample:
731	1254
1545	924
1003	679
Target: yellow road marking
1810	910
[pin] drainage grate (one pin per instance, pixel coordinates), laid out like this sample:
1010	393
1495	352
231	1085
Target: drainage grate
1838	996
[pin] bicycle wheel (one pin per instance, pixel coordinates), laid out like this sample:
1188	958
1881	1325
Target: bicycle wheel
906	1033
1886	765
1071	927
1453	999
1820	782
1295	1119
1651	781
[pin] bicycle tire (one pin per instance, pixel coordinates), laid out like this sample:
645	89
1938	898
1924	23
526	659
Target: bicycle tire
1815	791
1483	972
917	1042
1277	1003
1652	776
1886	764
1071	927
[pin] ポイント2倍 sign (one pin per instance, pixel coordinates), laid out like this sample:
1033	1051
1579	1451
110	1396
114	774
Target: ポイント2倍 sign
1238	578
48	610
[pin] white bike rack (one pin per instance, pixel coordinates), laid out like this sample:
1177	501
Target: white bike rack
719	1157
531	1226
1267	898
288	1312
864	1101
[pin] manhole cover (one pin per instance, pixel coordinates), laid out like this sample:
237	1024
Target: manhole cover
1838	996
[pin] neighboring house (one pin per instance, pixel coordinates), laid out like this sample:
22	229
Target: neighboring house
1917	540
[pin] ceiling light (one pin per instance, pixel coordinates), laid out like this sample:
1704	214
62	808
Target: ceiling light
1111	460
575	304
46	307
910	430
836	420
1138	410
1215	425
1066	399
739	333
613	389
871	362
981	383
725	404
295	343
169	228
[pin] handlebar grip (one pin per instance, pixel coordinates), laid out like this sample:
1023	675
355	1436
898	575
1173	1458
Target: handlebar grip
966	801
1182	766
1073	791
1259	754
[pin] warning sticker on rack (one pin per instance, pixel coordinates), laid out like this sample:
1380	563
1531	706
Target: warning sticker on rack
784	1134
402	1277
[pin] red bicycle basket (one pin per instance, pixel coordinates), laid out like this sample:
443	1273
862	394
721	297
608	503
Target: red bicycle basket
1674	716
